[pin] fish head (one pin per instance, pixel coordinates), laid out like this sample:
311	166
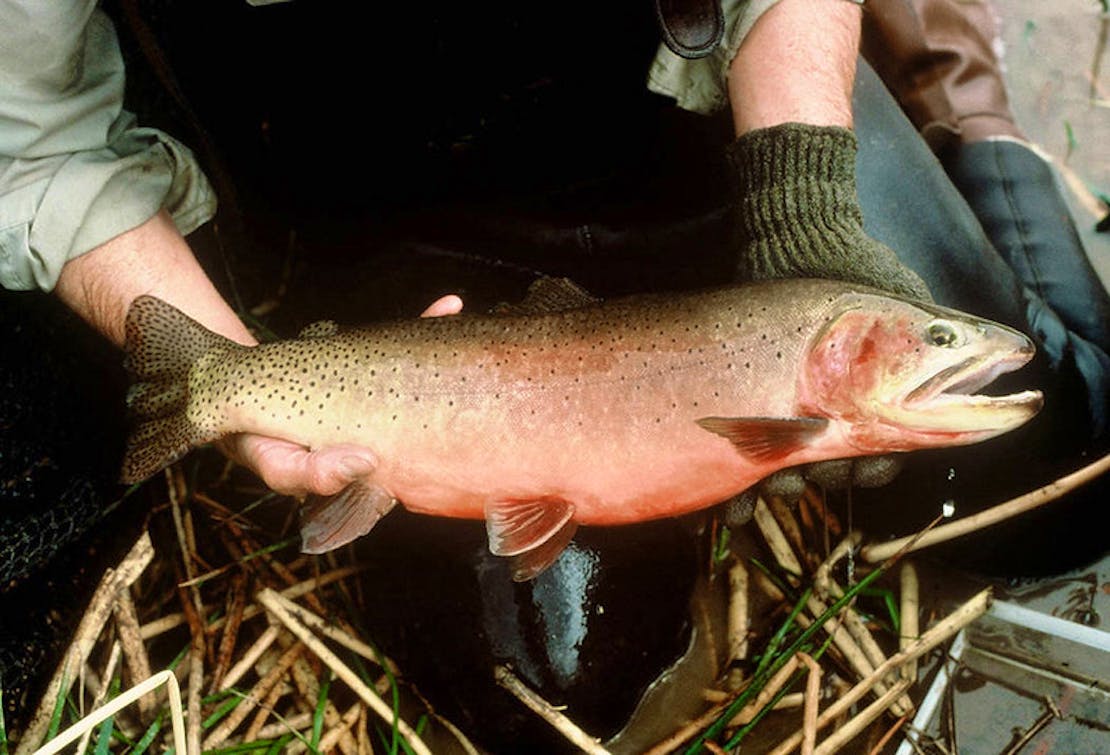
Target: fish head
903	375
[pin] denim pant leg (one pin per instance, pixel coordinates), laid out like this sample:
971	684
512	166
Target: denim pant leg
910	204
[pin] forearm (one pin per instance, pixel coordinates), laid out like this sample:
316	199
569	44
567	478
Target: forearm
797	64
150	259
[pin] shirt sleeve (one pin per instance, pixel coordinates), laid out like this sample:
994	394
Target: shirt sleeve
75	168
701	85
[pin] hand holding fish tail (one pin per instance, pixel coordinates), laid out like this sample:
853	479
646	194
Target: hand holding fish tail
292	469
798	215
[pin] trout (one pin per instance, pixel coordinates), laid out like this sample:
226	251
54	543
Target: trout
565	410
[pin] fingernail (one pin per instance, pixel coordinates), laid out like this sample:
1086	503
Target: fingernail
356	466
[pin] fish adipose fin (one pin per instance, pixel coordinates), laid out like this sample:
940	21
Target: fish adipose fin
162	345
549	295
765	439
328	522
531	533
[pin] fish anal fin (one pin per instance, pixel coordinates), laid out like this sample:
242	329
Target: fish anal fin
319	329
549	294
766	439
328	522
531	532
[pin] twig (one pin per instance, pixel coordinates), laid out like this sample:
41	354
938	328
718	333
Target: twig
776	540
545	710
812	698
88	630
278	606
172	621
1031	500
87	723
911	602
134	652
738	620
102	692
848	731
772	688
941	632
257	694
309	689
237	602
254	652
878	748
1032	731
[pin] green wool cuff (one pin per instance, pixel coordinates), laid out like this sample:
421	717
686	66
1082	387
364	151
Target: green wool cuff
797	213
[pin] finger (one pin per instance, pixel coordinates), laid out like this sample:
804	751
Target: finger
293	469
445	305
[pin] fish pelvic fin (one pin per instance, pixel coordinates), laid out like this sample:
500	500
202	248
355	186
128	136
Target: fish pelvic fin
530	533
328	522
162	344
766	439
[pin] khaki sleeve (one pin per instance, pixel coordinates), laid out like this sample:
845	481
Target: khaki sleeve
75	169
701	85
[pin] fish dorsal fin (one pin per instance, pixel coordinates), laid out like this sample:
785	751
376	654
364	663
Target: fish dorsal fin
765	438
328	522
319	329
532	533
549	295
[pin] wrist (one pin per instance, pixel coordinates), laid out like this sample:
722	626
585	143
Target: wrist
152	259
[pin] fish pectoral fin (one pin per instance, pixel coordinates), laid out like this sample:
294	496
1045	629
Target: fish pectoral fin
319	329
532	533
765	438
328	522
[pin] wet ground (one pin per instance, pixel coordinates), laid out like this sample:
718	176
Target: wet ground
1058	72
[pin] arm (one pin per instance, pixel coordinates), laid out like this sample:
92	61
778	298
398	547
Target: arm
797	64
790	92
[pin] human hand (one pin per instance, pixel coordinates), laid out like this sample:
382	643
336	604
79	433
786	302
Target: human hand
293	469
798	215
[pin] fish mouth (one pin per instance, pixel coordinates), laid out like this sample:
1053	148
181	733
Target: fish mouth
948	401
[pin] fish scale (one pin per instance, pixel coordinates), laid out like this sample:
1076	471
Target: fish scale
597	413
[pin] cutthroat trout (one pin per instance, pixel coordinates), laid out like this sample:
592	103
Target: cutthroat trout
565	410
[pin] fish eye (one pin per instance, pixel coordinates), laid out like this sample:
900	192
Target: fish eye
942	333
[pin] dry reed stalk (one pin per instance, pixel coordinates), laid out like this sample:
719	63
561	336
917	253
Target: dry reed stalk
287	725
812	700
258	693
941	632
910	612
119	703
102	690
346	721
776	540
774	684
265	709
343	638
135	656
879	746
237	603
881	551
849	731
790	529
277	604
309	688
172	621
88	630
254	652
739	622
549	713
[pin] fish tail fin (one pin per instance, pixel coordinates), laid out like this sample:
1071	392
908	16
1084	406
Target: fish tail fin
162	344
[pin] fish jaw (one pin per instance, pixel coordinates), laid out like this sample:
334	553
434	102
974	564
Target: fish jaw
906	375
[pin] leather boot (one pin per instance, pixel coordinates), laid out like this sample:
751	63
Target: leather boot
937	58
